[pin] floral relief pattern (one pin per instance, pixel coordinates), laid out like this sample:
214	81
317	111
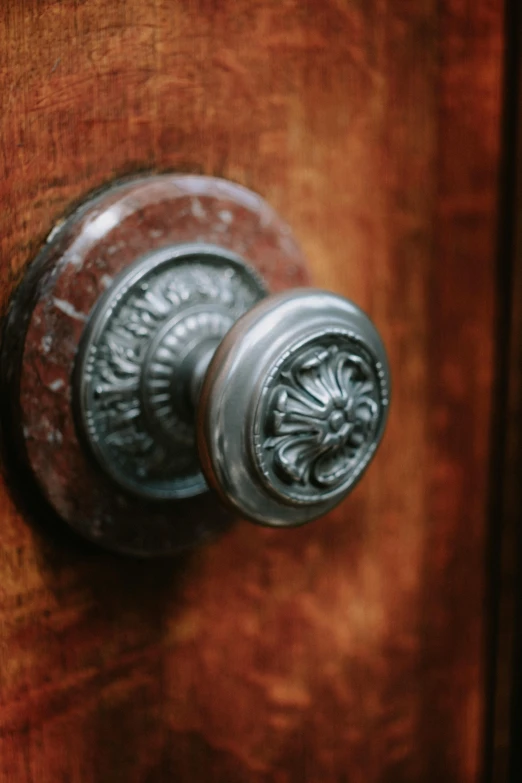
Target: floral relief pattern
324	416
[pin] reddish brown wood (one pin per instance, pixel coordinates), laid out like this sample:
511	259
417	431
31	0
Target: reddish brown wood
352	649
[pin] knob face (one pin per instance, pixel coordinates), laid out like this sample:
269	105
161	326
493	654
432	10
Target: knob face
293	406
132	365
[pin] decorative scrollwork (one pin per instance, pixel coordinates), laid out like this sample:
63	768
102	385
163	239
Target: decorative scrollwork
131	367
324	409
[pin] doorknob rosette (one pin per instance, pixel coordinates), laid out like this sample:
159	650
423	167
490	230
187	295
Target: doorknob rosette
145	339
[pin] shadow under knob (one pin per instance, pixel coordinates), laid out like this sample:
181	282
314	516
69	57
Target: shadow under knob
293	406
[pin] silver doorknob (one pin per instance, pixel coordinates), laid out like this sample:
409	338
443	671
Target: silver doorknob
144	358
189	373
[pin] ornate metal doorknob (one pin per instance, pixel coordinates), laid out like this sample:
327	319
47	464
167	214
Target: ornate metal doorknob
290	401
185	372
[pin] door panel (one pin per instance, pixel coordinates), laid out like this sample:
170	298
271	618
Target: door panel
352	649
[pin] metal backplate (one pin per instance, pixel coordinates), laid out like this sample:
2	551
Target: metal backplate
50	456
129	379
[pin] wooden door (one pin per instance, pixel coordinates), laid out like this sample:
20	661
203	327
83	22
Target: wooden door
354	649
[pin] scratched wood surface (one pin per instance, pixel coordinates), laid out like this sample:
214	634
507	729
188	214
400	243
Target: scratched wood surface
352	649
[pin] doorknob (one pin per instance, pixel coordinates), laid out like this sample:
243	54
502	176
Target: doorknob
173	368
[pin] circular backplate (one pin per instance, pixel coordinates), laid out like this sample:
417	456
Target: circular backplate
81	260
131	401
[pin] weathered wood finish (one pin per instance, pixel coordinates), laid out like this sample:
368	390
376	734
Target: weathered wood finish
352	649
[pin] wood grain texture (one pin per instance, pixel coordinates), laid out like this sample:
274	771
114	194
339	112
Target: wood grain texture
352	649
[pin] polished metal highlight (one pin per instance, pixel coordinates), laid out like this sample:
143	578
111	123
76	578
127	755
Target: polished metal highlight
140	362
